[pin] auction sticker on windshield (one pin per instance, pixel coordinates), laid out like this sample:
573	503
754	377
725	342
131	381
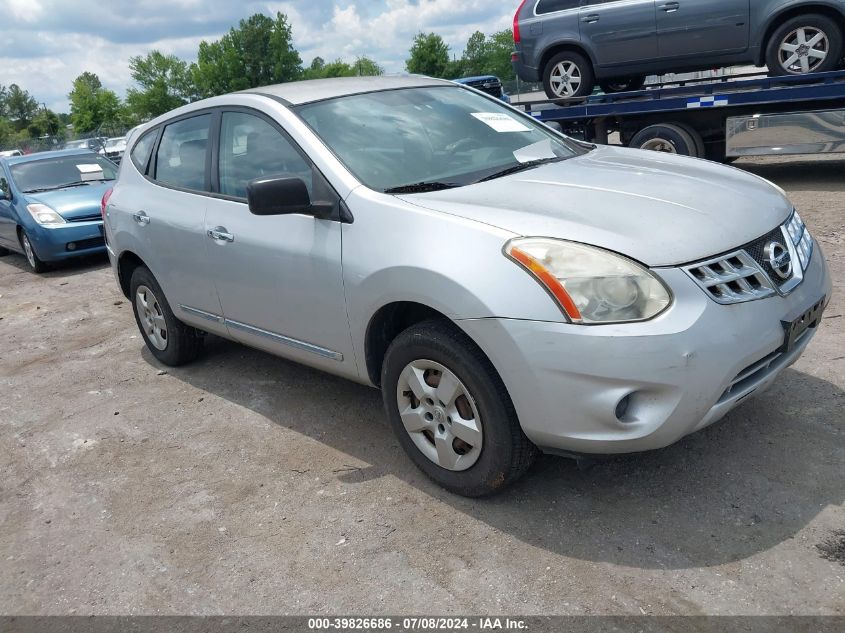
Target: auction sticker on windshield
500	122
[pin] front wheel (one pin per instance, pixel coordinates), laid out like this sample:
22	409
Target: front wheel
170	341
451	411
37	265
805	44
568	75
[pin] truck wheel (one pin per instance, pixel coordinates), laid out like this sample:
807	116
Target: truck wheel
35	263
805	44
611	86
567	75
170	341
698	141
451	411
665	137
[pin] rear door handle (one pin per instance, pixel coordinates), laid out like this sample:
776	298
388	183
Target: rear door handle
141	218
592	18
670	7
219	233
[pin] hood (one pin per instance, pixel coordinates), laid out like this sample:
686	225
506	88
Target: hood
659	209
74	203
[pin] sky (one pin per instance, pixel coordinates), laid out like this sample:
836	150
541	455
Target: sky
45	44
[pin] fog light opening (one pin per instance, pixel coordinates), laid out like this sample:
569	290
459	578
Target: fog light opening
71	246
622	408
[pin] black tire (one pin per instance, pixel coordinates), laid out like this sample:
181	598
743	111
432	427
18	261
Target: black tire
814	21
630	84
183	343
668	135
584	67
36	264
698	141
505	454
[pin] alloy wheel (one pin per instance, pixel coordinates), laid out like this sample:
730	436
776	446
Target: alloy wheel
440	415
29	252
151	317
803	50
659	145
566	79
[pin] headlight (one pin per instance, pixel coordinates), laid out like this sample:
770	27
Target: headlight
801	239
591	285
44	215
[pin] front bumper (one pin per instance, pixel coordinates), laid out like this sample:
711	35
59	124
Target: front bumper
51	244
681	371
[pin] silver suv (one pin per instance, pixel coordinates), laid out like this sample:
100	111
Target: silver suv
509	290
570	45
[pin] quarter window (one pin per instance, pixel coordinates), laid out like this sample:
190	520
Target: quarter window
181	156
142	150
550	6
250	148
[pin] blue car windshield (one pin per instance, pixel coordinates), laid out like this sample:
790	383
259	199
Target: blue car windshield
63	171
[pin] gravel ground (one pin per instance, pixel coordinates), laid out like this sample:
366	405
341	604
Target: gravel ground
249	485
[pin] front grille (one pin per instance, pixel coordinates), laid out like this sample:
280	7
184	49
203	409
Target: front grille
732	278
749	273
86	218
493	88
750	376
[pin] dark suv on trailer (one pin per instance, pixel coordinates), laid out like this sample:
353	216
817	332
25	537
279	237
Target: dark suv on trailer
570	45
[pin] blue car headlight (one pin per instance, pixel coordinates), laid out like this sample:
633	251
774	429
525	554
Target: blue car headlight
44	215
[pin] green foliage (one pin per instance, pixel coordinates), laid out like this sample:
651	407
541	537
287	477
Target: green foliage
429	55
362	67
20	106
258	52
92	106
164	83
485	55
46	123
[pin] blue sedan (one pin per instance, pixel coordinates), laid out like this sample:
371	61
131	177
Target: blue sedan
50	205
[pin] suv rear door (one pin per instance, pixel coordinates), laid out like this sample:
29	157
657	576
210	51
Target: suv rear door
692	27
618	32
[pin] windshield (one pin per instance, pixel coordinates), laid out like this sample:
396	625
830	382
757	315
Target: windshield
419	139
55	173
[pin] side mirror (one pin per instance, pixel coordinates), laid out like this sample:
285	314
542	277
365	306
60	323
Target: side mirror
280	195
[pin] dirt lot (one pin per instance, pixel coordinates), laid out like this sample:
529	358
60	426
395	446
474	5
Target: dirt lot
246	484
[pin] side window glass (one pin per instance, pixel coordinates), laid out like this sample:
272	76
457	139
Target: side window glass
142	149
548	6
251	148
180	160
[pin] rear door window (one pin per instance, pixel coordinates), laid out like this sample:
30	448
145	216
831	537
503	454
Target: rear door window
182	153
142	150
550	6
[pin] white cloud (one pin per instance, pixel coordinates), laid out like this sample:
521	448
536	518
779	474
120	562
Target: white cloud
50	42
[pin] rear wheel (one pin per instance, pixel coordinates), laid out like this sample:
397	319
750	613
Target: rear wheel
665	137
170	341
698	141
35	263
805	44
622	85
451	411
567	75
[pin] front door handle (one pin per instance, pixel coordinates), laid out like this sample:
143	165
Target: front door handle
592	18
141	218
219	233
670	7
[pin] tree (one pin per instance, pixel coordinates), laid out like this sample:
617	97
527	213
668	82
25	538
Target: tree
363	67
45	123
366	67
476	55
500	48
92	106
164	83
257	53
429	55
20	106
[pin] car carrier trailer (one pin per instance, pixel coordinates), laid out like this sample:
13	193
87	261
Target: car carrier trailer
720	120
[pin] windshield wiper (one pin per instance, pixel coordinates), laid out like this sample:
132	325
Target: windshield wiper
68	185
521	167
422	187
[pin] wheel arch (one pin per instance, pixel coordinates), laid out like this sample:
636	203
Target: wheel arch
127	263
559	47
822	8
